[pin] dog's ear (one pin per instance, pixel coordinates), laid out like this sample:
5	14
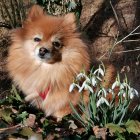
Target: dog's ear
70	20
35	12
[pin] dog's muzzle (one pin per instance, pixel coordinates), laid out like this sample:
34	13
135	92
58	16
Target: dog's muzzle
44	53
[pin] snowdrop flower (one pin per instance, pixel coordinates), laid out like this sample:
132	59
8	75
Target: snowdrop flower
115	84
88	80
99	92
110	91
125	85
132	92
83	86
124	94
95	71
136	92
121	86
87	87
99	71
131	95
99	78
94	82
72	86
102	91
101	101
80	75
121	92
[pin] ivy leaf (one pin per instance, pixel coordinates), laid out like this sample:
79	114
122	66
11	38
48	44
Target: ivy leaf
133	126
113	128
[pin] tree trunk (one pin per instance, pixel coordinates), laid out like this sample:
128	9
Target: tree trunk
105	23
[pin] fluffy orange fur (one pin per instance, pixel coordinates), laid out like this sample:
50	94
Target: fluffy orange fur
33	75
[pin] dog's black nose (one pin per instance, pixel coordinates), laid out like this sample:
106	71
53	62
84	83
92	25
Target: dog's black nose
43	51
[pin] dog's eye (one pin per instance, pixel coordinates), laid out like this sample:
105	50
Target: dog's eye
56	44
37	39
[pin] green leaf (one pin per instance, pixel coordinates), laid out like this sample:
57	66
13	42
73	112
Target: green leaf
17	96
133	126
26	131
45	123
5	114
92	137
93	103
113	128
76	115
22	116
119	136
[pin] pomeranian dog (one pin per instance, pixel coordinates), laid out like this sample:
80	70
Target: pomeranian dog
45	56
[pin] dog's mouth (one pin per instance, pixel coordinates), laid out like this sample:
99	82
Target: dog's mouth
48	55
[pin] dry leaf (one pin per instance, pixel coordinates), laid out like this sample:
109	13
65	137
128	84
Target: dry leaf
99	132
30	121
72	125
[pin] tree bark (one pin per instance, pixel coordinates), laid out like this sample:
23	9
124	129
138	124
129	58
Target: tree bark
104	22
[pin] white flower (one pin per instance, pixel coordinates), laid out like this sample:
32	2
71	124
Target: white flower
80	75
121	92
115	84
99	92
104	91
111	91
132	92
88	80
99	71
101	101
124	94
99	78
121	86
82	87
131	95
72	86
85	84
125	85
87	87
94	82
95	71
136	92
